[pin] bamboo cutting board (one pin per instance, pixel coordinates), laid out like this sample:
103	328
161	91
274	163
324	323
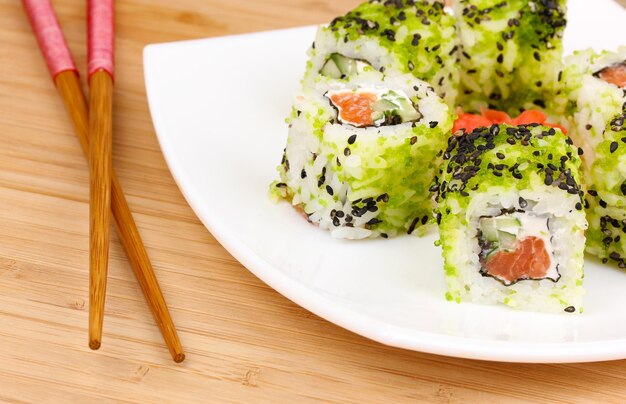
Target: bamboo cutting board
244	342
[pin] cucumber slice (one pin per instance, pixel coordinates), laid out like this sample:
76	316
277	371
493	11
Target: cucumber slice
402	106
407	111
346	65
331	70
489	229
509	225
383	105
507	241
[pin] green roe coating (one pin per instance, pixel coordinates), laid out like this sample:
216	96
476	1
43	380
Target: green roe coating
607	195
400	167
512	157
511	53
419	35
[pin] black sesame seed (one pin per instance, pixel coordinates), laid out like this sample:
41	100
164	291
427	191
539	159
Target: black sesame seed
522	202
537	56
329	189
303	173
346	152
570	309
613	147
416	39
500	156
548	180
413	225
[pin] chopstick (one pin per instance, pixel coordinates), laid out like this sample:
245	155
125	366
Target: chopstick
64	73
100	65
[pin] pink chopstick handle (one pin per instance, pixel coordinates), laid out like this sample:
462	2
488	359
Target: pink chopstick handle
100	36
49	36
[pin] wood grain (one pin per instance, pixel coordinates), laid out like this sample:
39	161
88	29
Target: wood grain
100	167
245	342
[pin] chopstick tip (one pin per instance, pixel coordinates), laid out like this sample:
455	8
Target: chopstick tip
95	344
178	358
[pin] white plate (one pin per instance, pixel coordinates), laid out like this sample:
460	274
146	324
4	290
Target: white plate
218	106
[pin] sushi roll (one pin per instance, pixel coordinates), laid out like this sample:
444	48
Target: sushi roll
511	53
361	154
596	85
511	218
395	37
607	195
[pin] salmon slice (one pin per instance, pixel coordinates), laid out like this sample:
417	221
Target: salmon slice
529	261
614	74
355	107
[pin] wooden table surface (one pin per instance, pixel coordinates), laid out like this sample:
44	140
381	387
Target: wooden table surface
244	342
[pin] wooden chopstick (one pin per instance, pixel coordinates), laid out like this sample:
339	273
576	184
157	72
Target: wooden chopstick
64	73
100	62
100	128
